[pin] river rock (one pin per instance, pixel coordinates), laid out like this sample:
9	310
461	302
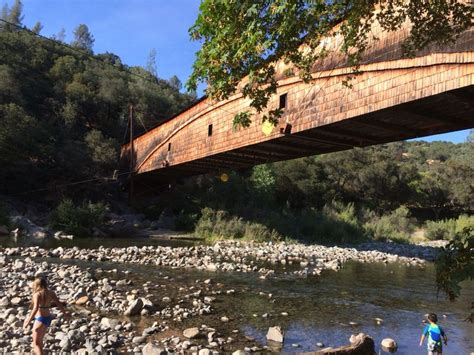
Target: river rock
82	300
204	352
15	301
151	349
211	267
388	344
109	323
275	334
4	302
65	344
134	308
139	339
191	333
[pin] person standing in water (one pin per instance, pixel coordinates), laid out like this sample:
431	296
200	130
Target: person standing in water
435	335
43	299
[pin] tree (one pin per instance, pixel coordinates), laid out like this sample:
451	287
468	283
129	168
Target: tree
3	16
151	63
83	39
37	27
61	36
103	150
246	38
470	137
15	16
455	265
175	83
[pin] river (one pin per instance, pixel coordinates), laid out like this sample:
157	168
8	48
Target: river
325	309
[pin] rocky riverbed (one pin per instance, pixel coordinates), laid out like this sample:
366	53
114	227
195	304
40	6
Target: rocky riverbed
114	312
231	256
109	313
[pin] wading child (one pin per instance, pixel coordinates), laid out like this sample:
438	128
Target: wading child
435	335
43	300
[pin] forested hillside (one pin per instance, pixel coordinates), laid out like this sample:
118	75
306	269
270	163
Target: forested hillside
64	108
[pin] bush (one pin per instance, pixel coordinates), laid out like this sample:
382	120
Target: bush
185	221
447	229
336	223
396	226
219	224
77	220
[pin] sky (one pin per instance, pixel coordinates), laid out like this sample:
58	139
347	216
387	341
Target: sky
132	28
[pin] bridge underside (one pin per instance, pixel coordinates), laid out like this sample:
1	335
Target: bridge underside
449	111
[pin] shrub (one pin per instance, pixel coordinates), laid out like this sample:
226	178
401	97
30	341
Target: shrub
185	221
444	229
447	229
337	223
77	220
219	224
395	226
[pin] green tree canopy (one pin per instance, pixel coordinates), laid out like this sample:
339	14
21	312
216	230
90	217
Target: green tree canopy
247	37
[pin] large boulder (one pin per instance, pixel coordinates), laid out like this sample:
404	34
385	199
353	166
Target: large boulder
275	334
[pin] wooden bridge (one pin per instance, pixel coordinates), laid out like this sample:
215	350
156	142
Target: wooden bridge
394	98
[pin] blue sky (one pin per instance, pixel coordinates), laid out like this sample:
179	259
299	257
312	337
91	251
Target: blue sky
132	28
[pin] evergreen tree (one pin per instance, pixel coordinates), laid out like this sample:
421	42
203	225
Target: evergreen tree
4	16
37	27
175	83
15	16
151	63
83	39
61	36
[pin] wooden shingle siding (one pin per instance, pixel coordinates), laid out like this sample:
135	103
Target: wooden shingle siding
393	98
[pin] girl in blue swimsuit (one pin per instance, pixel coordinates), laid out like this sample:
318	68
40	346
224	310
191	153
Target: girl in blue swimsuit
43	300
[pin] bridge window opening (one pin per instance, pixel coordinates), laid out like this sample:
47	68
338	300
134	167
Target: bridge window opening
169	147
209	130
282	101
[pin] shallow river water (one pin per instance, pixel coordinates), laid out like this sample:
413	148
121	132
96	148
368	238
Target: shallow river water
319	308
